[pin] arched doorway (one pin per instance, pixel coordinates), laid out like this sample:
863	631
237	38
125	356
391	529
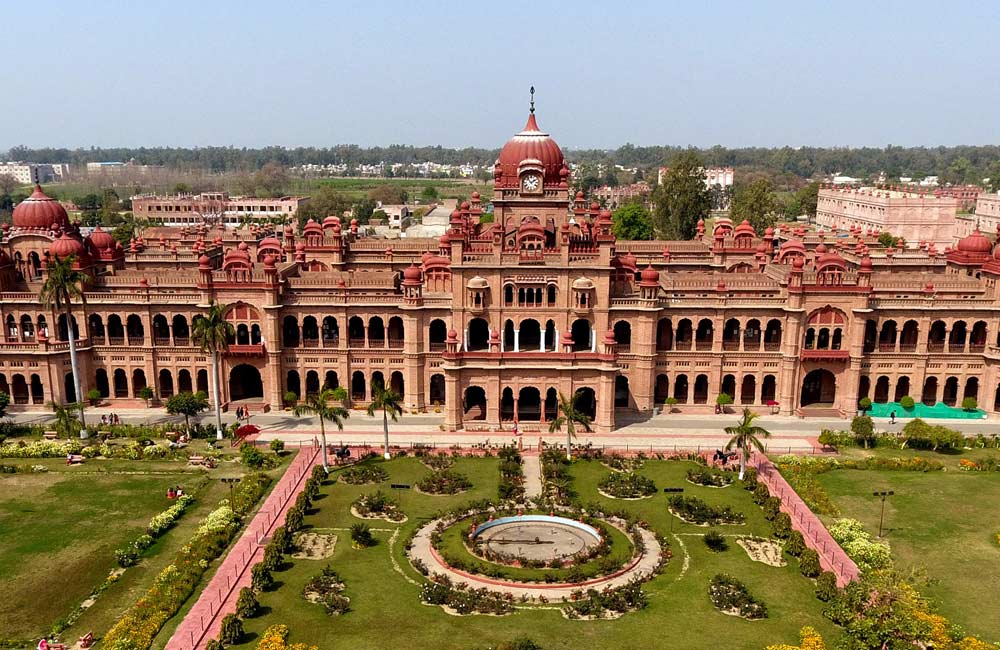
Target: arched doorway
818	388
622	394
662	389
585	402
475	403
244	383
437	390
358	385
529	404
551	408
479	335
581	334
507	404
70	388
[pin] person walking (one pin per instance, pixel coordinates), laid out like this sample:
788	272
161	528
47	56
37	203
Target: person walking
892	418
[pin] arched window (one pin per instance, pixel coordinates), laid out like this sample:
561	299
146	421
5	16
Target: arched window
331	332
376	332
293	384
623	336
664	335
138	381
95	326
437	390
478	335
290	332
166	382
121	383
312	382
396	332
703	337
101	383
473	403
310	332
437	335
136	332
582	335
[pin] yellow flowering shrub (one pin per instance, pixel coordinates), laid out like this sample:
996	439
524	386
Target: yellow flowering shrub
276	638
809	639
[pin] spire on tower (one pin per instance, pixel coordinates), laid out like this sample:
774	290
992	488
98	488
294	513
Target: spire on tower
532	100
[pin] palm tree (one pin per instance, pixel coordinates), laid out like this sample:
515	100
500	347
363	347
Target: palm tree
211	331
319	404
65	417
746	435
62	285
385	400
569	417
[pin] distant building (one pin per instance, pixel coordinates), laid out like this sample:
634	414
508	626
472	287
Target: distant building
722	176
966	195
987	212
914	216
614	197
214	207
26	173
109	168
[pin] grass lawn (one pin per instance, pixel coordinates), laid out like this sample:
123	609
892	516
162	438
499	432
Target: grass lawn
941	523
59	531
384	589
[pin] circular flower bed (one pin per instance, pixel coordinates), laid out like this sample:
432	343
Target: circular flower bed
708	478
439	462
627	485
362	474
623	464
377	505
444	482
327	589
695	511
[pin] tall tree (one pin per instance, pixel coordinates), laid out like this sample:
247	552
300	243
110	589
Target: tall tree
318	404
65	418
211	332
385	400
632	221
187	404
756	202
62	285
746	436
682	198
569	417
803	201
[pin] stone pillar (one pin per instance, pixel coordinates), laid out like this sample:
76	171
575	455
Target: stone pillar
542	346
517	340
593	340
516	412
555	345
453	402
465	341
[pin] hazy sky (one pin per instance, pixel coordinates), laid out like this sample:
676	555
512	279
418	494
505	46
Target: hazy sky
253	73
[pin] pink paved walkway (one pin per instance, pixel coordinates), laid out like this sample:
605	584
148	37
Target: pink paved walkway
219	597
831	556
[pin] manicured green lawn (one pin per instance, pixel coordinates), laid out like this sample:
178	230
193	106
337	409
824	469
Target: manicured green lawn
942	523
384	589
59	530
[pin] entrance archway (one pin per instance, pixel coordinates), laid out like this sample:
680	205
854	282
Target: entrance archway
819	387
585	401
475	403
245	383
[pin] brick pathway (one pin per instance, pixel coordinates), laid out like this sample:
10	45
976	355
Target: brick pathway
219	597
532	469
831	556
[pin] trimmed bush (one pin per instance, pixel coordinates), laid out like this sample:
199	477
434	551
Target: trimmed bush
707	477
715	541
231	630
246	604
260	577
863	429
969	404
771	507
750	479
760	494
277	446
826	586
444	482
361	474
809	563
627	485
781	525
795	544
907	402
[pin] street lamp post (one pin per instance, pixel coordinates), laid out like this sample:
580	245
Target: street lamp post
231	482
881	517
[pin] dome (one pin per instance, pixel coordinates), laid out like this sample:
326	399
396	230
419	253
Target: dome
866	264
583	284
412	273
66	246
534	145
269	242
40	211
830	259
478	282
650	275
269	261
204	262
101	240
975	243
745	229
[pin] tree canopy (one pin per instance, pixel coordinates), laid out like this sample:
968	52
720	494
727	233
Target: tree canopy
682	198
632	221
755	202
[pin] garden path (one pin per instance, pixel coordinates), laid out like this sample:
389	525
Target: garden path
532	469
203	621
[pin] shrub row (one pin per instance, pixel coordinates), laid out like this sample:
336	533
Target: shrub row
627	485
598	604
710	478
867	553
159	524
444	482
366	473
694	510
511	486
461	599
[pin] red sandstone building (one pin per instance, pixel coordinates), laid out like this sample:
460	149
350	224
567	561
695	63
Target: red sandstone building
491	322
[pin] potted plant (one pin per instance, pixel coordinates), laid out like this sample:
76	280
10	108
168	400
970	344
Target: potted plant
93	396
864	406
969	404
670	403
291	399
146	393
907	402
722	401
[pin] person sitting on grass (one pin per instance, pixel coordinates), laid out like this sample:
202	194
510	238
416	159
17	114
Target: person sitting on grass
170	493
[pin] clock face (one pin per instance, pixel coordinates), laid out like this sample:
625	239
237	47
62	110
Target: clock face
531	183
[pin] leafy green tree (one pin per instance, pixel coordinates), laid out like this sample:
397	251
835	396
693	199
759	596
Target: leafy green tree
807	198
64	417
881	610
362	210
569	417
887	239
863	429
745	436
756	202
187	404
4	403
429	193
211	332
62	285
388	194
632	221
682	198
388	401
146	393
318	404
323	203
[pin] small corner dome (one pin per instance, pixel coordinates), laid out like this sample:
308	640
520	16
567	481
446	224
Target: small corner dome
583	284
478	282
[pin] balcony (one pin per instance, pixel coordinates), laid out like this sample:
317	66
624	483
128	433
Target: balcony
935	347
772	346
703	346
731	346
310	343
825	355
395	344
246	350
907	347
437	346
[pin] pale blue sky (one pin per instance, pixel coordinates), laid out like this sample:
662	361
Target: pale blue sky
253	73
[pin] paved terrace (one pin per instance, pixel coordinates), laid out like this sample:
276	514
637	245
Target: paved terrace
663	432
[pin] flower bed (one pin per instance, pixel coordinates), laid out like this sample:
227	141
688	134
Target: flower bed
511	485
377	505
609	603
708	478
460	599
437	463
444	482
695	511
730	596
175	584
327	589
627	485
159	524
624	464
362	474
859	546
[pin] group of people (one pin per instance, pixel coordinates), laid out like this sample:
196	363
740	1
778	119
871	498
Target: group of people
242	413
182	441
175	492
110	419
722	457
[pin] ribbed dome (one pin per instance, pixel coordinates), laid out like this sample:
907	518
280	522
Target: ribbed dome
745	229
531	144
650	276
66	246
101	240
412	273
975	243
40	211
